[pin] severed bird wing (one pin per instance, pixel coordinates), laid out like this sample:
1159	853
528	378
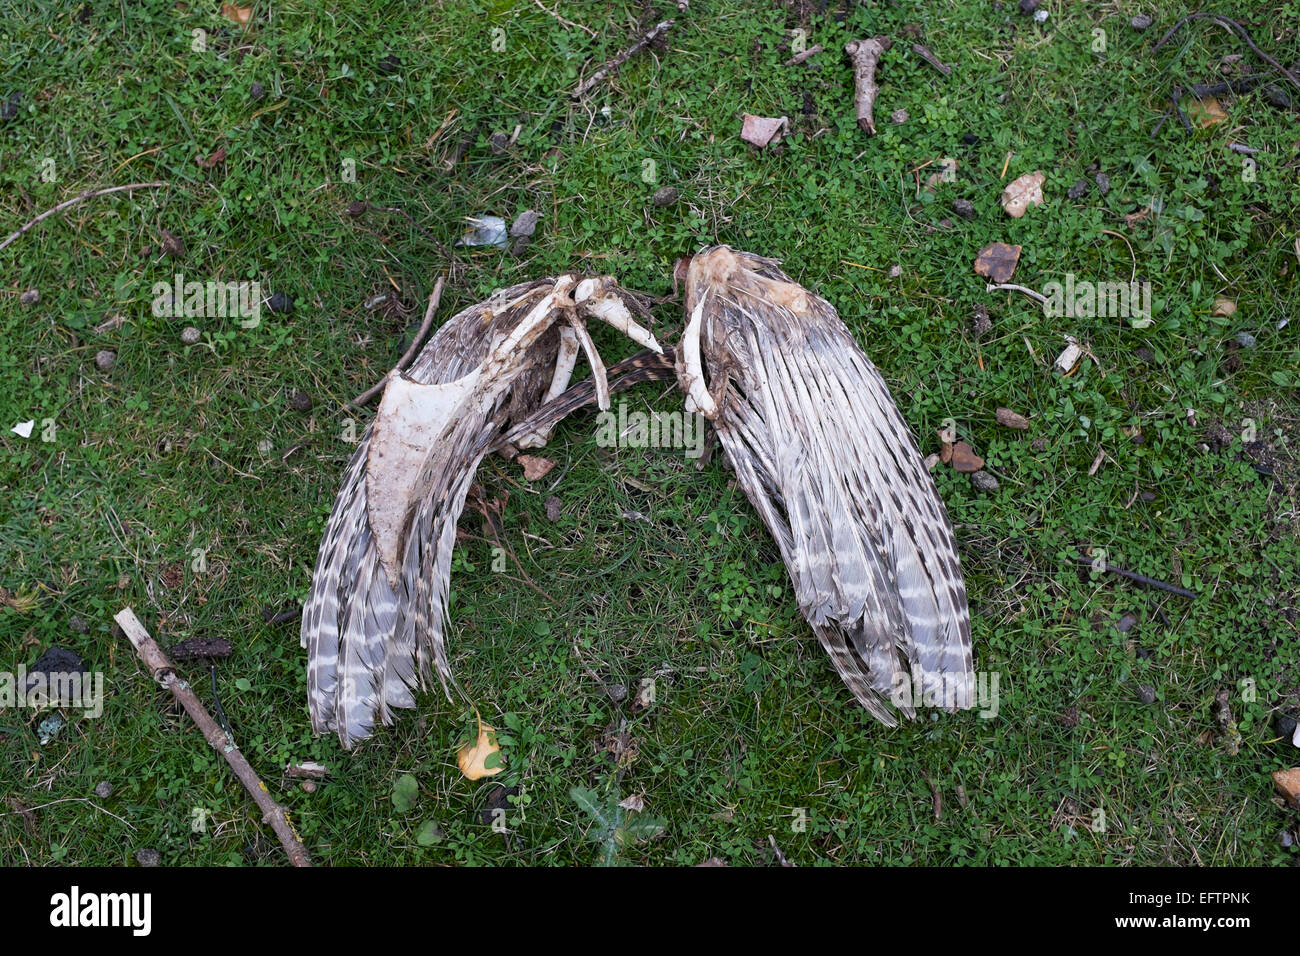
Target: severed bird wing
825	457
374	621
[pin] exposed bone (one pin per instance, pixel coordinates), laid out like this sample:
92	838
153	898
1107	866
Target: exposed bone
593	359
865	54
564	365
596	298
691	370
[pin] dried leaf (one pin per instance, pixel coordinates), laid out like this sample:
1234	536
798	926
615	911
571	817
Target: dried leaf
997	261
1206	112
1133	218
240	15
762	131
1023	192
1069	358
474	758
1223	307
964	458
635	803
218	157
535	467
1287	783
946	173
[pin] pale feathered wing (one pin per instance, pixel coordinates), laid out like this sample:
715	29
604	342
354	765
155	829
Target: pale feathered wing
374	621
824	455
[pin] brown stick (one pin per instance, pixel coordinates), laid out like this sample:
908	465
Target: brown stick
865	55
153	657
612	66
1137	578
800	57
405	360
930	58
73	201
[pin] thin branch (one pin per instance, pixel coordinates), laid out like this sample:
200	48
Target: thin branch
612	66
800	57
153	658
73	201
930	58
1232	25
1139	578
1036	296
405	360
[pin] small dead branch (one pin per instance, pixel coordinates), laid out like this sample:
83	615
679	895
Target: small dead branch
161	668
591	82
935	796
865	55
1036	296
800	57
1231	24
1138	578
73	201
405	360
930	58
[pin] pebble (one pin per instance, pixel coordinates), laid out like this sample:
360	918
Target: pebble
899	117
30	297
256	91
103	790
1246	340
78	624
1103	183
300	401
1078	190
499	142
190	335
964	208
983	481
1141	22
105	359
148	857
1147	694
525	224
1028	6
281	303
664	196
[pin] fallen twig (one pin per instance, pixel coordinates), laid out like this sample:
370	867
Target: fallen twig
405	360
1232	25
161	668
1138	578
930	58
658	30
800	57
865	55
1036	296
73	201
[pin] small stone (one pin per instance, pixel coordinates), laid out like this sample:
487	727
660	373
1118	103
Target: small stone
1141	22
945	223
664	196
172	246
78	624
499	143
1147	694
256	91
1103	183
300	401
983	481
553	506
105	359
1078	190
895	271
1285	839
190	335
357	208
281	303
525	224
30	297
1142	653
1147	497
964	208
980	321
309	786
390	64
103	790
1009	419
1126	623
1245	340
1028	6
1284	725
148	857
1145	354
899	117
616	692
1287	783
970	139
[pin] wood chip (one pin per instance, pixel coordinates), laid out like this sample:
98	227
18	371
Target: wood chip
762	131
1009	419
964	458
997	261
535	467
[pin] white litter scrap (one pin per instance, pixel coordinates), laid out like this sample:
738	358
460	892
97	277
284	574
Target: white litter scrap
24	429
485	231
1070	357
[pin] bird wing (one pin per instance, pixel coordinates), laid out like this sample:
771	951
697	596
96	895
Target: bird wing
824	455
374	620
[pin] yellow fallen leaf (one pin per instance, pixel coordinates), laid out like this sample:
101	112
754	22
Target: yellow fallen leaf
240	15
1206	112
473	758
1224	307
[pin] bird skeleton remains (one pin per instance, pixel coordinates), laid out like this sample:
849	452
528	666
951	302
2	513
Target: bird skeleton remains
806	420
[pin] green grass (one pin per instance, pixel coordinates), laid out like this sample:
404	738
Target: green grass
750	729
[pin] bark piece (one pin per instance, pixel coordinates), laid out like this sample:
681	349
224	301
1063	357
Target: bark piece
1023	192
865	56
997	261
